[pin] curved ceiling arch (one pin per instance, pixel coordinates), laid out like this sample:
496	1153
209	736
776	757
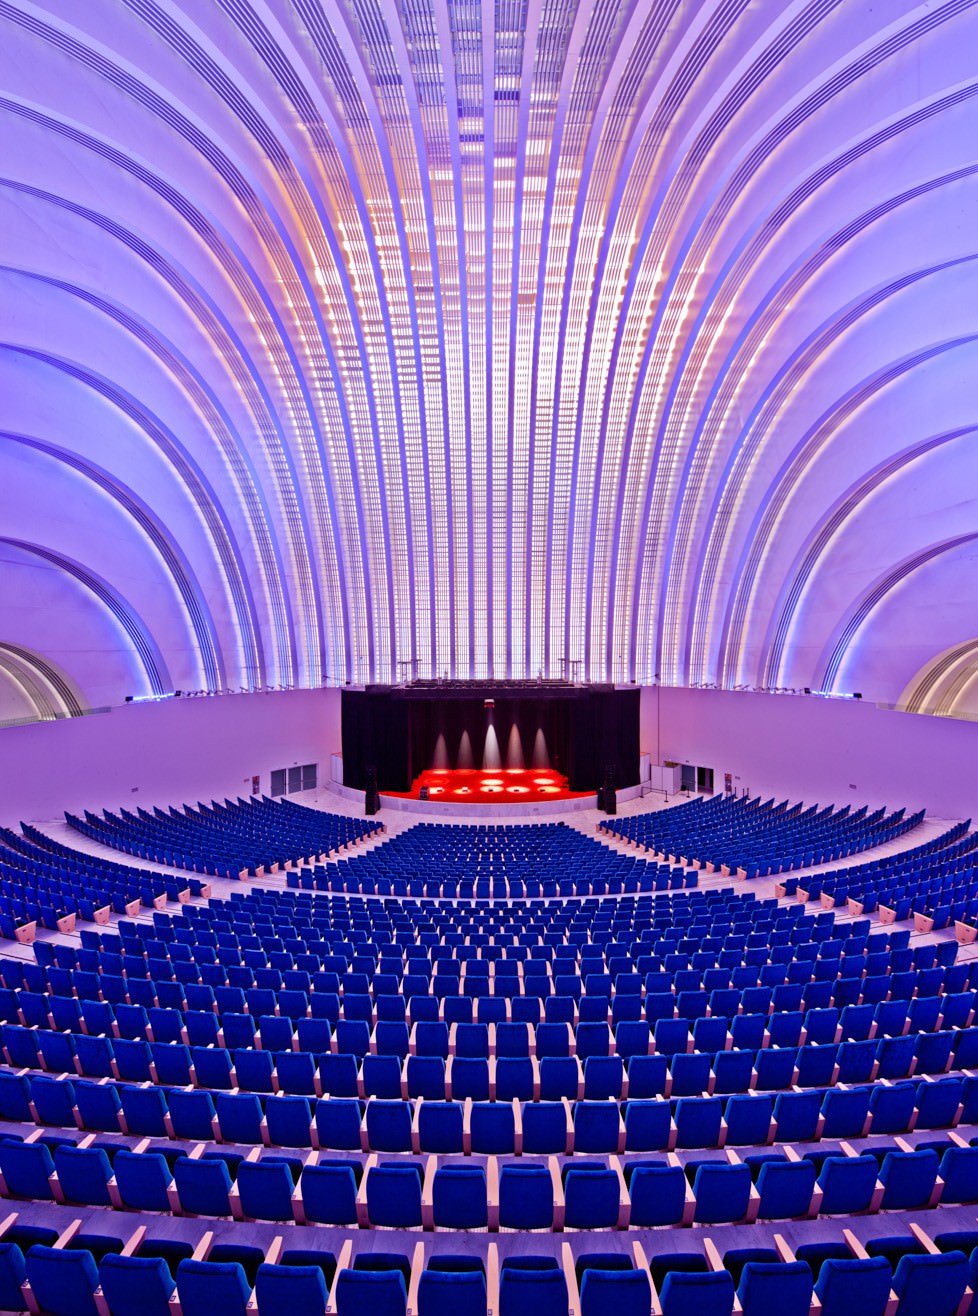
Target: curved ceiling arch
940	687
49	690
150	658
499	339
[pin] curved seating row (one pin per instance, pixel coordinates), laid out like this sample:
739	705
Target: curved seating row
236	838
439	1192
80	1274
514	861
528	1078
741	834
559	1126
47	883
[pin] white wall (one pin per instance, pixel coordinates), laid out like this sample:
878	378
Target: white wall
167	752
818	750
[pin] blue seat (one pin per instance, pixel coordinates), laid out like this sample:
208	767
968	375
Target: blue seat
591	1193
289	1120
733	1071
425	1077
63	1280
749	1119
545	1128
896	1056
526	1196
493	1128
931	1285
329	1192
627	1292
785	1189
658	1193
515	1079
193	1115
686	1293
99	1106
142	1179
27	1169
784	1287
84	1174
450	1285
532	1286
775	1068
908	1179
699	1121
136	1285
648	1126
893	1108
469	1078
208	1286
388	1125
854	1287
265	1188
691	1074
203	1186
377	1292
54	1100
798	1116
338	1124
394	1195
848	1184
938	1103
846	1113
959	1171
598	1127
722	1192
459	1197
240	1116
439	1127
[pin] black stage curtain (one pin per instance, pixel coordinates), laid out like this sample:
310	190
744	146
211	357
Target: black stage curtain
375	736
591	733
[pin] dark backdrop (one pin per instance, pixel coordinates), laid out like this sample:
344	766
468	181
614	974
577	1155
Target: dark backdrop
591	731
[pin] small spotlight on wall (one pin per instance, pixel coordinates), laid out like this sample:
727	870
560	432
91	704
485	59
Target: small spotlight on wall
128	699
808	690
857	694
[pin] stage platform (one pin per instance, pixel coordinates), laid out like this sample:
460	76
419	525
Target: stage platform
489	786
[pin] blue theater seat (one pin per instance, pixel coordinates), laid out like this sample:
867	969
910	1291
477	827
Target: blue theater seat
63	1281
136	1285
208	1286
532	1286
692	1294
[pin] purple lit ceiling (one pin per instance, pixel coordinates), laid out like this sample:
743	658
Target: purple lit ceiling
349	339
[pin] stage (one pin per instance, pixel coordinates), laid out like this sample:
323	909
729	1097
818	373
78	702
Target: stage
502	786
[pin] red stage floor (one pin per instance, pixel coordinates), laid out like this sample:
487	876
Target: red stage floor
502	786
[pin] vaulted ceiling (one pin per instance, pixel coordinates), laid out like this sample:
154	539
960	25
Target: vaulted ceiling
621	339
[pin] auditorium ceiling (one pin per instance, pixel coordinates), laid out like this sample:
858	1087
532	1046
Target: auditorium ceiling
348	340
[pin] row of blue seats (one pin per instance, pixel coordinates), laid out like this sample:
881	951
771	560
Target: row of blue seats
210	929
440	1192
740	833
227	839
222	1020
879	881
557	1127
643	878
45	882
308	1072
79	1274
296	995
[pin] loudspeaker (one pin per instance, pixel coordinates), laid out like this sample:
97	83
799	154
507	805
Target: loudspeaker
607	799
371	799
